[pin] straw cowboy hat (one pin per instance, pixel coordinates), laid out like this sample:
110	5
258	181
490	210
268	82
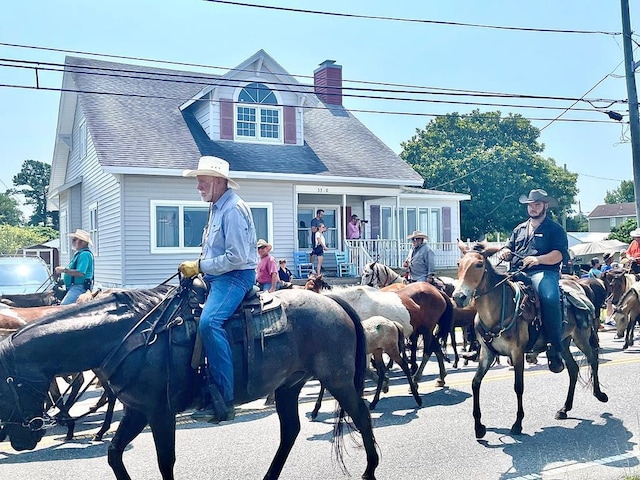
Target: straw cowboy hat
264	243
635	233
417	234
81	235
212	167
538	195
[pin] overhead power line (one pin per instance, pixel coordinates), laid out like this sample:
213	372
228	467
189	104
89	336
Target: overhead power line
415	89
201	81
412	20
307	107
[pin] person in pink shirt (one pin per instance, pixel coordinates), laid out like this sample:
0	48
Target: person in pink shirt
353	227
267	269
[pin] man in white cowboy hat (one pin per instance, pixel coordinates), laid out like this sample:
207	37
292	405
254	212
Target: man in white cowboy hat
267	271
228	262
633	252
538	247
421	260
78	275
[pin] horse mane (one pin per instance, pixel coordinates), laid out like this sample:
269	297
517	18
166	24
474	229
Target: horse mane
135	299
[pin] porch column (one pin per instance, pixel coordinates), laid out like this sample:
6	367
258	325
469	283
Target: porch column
398	259
343	222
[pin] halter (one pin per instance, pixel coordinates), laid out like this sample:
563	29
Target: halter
376	279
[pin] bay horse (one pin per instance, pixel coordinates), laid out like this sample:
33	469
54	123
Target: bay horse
617	282
502	329
141	341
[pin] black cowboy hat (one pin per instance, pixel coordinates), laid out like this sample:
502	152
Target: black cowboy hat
538	195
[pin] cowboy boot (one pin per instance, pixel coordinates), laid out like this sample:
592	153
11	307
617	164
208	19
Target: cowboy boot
216	410
556	365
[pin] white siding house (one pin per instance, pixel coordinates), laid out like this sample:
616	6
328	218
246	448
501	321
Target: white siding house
126	132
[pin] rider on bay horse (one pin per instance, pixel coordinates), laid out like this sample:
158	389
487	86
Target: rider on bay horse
537	247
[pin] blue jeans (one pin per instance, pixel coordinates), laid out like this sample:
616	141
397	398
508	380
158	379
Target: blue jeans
73	293
547	284
226	292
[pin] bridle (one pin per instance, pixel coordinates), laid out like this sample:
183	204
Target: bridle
33	424
377	279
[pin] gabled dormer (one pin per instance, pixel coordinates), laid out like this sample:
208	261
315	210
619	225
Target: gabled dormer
256	102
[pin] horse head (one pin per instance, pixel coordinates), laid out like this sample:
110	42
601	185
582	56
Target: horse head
316	283
369	275
472	268
22	397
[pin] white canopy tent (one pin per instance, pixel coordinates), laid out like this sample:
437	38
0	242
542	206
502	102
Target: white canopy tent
586	251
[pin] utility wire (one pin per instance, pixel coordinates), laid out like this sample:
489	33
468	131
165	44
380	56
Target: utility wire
410	20
419	88
206	81
307	107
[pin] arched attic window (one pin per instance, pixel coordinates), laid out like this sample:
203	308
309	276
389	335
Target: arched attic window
258	116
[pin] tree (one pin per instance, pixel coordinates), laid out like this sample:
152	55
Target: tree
10	214
491	158
13	238
621	232
625	193
34	180
577	223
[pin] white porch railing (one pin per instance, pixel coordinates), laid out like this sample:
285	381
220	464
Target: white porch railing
393	252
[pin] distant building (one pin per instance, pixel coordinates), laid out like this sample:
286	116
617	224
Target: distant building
604	217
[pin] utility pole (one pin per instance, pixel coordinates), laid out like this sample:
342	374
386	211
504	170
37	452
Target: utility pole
634	122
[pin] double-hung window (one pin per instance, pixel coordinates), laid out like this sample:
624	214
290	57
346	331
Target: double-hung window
258	116
177	226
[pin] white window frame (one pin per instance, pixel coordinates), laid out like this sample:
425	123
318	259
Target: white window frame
268	206
93	228
64	230
258	111
154	233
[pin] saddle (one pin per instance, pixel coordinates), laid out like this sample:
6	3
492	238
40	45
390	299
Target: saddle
259	317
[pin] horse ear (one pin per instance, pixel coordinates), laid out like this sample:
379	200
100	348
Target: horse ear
462	246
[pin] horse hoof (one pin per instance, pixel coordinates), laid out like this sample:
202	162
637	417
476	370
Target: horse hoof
602	397
440	383
385	389
561	415
481	431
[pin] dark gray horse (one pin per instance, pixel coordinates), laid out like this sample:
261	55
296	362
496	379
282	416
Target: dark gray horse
142	342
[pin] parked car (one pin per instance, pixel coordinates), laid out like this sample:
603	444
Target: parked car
22	275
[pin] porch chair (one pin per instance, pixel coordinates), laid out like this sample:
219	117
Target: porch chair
344	267
303	266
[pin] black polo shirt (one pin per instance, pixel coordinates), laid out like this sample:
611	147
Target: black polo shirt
548	236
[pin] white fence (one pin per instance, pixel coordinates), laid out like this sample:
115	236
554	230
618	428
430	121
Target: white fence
393	252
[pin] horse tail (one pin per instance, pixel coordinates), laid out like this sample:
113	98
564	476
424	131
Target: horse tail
361	344
358	381
445	323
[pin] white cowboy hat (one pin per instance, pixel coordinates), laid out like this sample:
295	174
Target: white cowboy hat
212	167
263	243
417	234
538	195
81	235
635	233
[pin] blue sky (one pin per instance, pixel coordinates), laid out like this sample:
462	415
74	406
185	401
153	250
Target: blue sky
443	56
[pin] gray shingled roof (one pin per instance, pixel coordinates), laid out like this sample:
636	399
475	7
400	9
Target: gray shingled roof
133	116
614	210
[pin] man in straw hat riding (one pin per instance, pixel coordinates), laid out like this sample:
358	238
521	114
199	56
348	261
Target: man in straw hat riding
78	275
538	247
421	260
228	261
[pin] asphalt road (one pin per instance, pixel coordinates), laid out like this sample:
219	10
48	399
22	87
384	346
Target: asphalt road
598	441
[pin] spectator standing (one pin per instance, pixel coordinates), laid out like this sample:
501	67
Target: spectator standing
314	226
267	270
353	227
320	248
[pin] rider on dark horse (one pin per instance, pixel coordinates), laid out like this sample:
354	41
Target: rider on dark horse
537	247
228	261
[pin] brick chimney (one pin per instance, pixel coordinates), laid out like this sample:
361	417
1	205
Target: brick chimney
327	82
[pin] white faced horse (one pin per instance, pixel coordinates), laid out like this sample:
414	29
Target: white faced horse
378	275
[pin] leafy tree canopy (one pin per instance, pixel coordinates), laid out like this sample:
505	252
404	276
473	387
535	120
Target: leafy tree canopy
13	238
625	193
33	182
494	159
10	214
621	232
577	223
